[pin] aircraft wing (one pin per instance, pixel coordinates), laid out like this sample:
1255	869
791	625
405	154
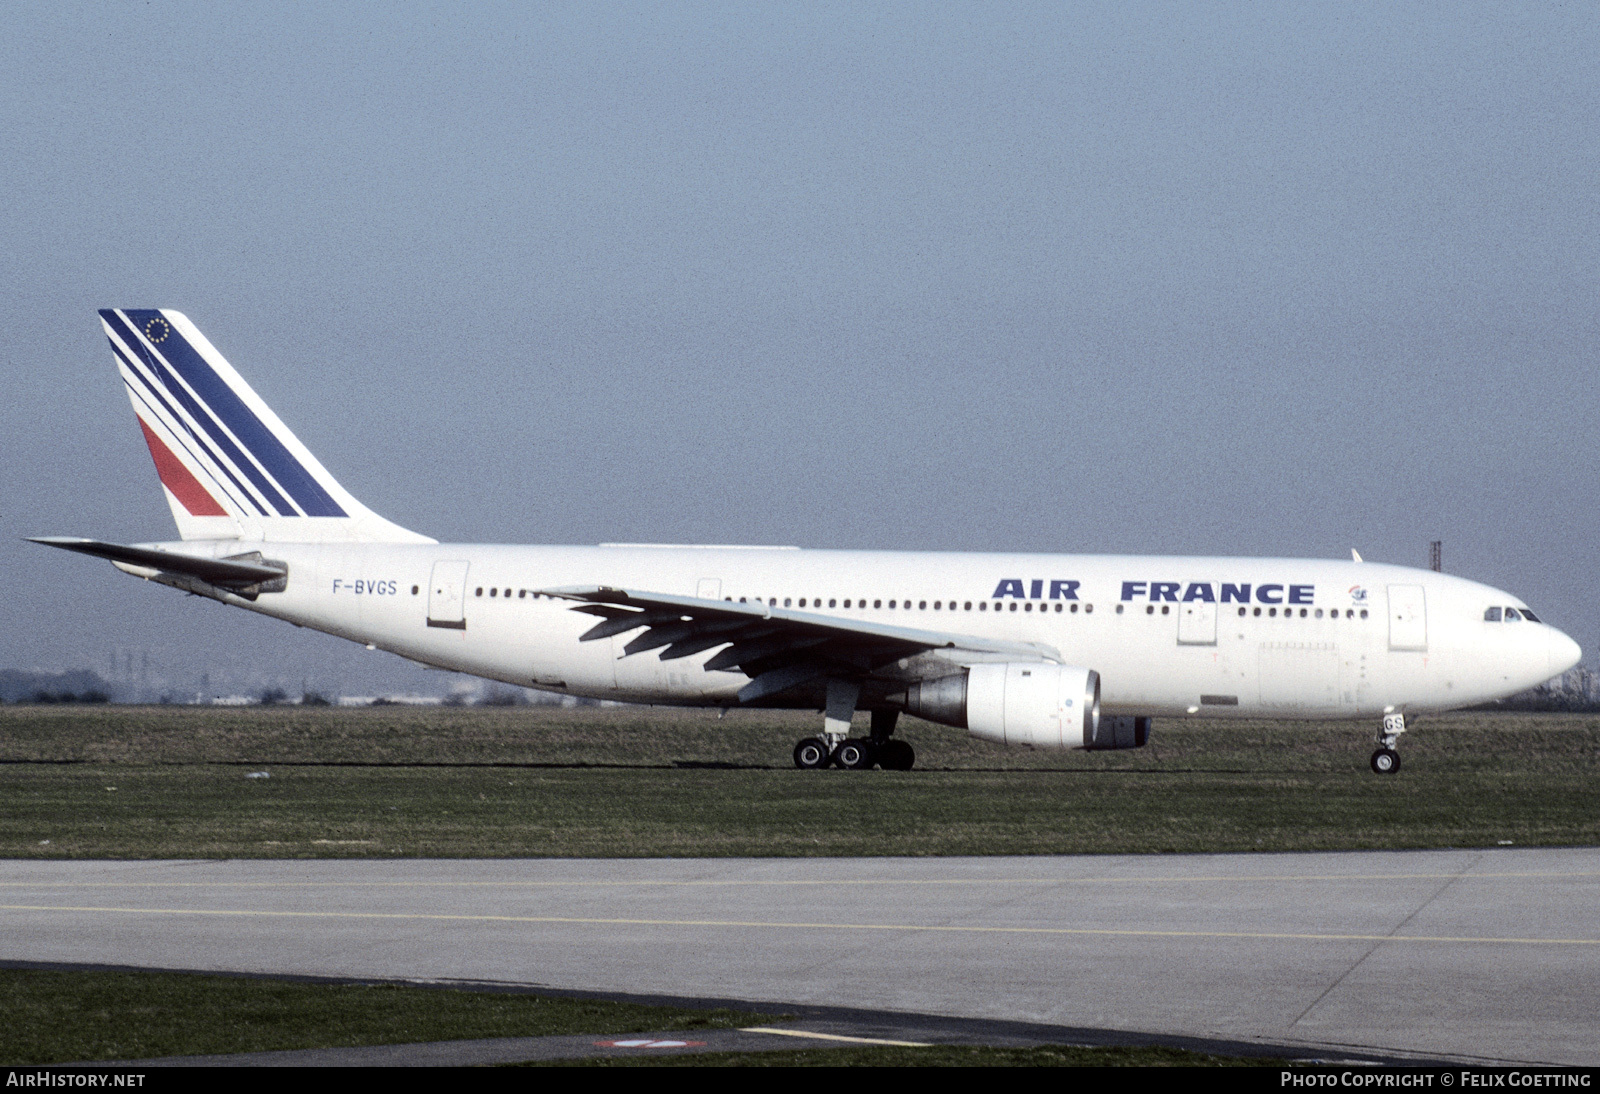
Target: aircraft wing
778	648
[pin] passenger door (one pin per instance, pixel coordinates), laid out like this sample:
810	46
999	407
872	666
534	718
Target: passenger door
447	595
1197	623
1408	618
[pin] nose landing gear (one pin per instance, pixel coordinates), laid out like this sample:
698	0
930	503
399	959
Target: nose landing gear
1386	761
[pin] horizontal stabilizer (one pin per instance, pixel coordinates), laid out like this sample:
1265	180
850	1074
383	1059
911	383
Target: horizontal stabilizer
223	572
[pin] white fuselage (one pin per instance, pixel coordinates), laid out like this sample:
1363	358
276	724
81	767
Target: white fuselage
1217	637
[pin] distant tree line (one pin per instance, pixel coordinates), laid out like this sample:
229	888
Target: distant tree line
79	686
90	696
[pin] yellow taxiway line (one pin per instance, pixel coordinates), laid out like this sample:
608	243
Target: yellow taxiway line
723	924
1176	879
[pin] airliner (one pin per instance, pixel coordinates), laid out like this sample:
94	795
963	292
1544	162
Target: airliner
1036	650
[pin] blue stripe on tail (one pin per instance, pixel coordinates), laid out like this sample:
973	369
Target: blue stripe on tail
225	406
199	413
199	441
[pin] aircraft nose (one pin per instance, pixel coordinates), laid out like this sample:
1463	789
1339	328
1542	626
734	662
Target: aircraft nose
1564	653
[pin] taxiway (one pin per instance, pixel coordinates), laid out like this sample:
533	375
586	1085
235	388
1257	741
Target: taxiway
1476	955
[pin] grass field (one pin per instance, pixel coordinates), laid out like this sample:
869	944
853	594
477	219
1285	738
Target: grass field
60	1016
64	1016
940	1056
162	782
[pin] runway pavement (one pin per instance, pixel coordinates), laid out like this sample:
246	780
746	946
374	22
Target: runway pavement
1486	955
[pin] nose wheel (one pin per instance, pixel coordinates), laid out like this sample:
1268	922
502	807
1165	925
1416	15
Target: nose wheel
1386	761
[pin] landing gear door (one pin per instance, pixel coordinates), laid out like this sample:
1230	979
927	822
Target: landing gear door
447	596
1197	623
1408	618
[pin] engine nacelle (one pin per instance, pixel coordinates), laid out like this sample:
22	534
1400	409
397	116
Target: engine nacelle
1015	703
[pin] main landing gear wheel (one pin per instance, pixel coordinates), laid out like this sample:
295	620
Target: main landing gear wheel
896	756
853	755
811	753
1385	761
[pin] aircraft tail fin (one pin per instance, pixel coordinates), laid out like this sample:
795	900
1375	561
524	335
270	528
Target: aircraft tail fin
230	468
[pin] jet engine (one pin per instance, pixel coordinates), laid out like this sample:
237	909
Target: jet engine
1016	703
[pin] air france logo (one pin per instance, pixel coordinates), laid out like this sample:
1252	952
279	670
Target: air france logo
1207	593
1358	594
1173	592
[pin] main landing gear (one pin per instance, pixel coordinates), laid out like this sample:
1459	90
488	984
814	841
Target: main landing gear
855	754
836	748
1386	761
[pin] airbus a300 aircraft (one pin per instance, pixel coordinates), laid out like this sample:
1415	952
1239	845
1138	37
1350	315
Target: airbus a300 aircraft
1048	651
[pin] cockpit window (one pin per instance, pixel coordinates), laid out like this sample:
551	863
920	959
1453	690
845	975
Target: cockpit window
1491	615
1511	615
1529	616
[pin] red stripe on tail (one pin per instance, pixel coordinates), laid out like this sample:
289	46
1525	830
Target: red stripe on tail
176	478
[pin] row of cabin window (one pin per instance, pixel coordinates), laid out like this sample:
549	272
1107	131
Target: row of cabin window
1493	614
921	605
816	602
1333	613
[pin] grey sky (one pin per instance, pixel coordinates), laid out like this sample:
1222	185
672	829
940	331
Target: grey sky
1243	279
